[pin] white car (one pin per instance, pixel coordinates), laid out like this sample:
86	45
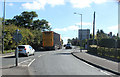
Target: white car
25	50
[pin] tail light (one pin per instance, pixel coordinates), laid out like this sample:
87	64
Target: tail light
25	49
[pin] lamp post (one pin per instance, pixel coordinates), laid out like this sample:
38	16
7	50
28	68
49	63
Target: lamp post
3	28
81	29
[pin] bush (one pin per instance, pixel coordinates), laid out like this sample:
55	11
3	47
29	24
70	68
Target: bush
91	42
92	49
109	43
118	43
29	37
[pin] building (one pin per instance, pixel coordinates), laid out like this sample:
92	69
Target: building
85	34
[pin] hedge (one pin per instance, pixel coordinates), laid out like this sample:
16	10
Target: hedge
105	52
109	43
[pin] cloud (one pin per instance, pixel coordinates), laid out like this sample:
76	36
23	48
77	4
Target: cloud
86	3
34	6
84	23
113	29
99	1
65	39
49	24
80	3
73	27
55	2
40	4
10	4
67	28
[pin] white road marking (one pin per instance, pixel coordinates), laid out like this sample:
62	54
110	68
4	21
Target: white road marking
104	72
24	61
94	67
89	65
31	62
40	56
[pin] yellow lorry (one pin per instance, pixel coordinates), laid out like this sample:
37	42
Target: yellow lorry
51	40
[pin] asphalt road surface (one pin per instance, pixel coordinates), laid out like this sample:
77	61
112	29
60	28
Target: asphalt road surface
59	62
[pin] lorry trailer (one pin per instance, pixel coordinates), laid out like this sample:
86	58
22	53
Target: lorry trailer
51	40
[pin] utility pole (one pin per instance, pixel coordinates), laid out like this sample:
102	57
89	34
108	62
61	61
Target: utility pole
81	33
94	29
3	28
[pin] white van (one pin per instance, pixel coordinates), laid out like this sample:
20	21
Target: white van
25	50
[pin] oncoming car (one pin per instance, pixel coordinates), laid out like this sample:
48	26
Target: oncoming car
68	46
25	50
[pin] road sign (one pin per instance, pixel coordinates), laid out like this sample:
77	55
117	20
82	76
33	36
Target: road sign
17	37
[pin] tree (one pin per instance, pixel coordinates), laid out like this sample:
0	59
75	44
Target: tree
90	36
101	31
28	18
101	34
25	19
41	25
8	22
69	40
18	20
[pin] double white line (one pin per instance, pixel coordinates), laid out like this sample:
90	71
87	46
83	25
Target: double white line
27	61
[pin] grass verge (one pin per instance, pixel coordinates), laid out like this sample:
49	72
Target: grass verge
8	51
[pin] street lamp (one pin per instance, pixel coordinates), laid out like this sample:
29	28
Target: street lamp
3	28
81	28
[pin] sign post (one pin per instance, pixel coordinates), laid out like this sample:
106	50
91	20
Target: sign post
17	37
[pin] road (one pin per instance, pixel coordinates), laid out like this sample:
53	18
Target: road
59	62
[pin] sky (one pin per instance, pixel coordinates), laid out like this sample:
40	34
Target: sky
61	17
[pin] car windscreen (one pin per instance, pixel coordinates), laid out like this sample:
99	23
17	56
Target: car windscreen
68	44
20	47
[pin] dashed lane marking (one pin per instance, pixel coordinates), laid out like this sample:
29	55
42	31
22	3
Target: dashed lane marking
31	62
40	56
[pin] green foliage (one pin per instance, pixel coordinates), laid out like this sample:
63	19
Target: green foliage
100	35
37	43
29	28
109	43
28	37
118	43
91	42
25	19
41	25
8	51
105	52
8	42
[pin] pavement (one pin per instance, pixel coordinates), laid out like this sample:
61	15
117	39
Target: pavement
13	70
7	54
102	63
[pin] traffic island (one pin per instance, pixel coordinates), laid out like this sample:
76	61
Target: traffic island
13	70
